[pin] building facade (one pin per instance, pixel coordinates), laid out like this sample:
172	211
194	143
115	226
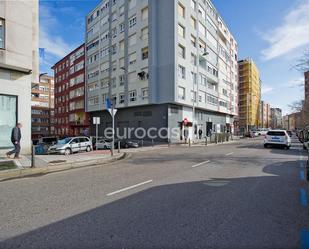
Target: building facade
249	95
265	115
276	118
42	107
161	62
70	116
18	68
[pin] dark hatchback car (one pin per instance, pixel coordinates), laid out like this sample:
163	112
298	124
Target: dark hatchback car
126	144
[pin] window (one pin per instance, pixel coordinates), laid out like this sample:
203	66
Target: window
181	31
132	22
202	29
181	71
193	4
194	77
93	101
181	93
121	27
145	93
193	22
203	80
132	59
145	13
145	33
193	96
121	98
181	51
193	59
132	96
8	119
2	35
145	53
212	40
181	10
132	40
193	41
121	80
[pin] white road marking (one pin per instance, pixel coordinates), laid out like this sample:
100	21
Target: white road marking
200	164
228	154
130	187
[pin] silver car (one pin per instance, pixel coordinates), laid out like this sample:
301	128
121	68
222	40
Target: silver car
71	145
103	144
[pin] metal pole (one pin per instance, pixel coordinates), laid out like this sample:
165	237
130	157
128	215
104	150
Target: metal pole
96	135
32	155
113	120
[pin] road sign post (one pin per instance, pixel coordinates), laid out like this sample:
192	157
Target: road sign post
112	112
96	121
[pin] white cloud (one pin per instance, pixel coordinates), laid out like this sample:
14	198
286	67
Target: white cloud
266	89
296	83
290	35
52	43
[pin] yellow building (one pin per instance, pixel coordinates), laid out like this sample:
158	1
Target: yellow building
249	95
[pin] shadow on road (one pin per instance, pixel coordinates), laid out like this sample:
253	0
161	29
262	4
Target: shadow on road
248	212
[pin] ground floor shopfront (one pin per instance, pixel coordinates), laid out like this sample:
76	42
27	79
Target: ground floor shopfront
15	106
163	122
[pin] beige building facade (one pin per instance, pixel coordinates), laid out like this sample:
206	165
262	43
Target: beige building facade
19	67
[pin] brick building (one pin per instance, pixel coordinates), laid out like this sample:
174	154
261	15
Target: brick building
42	107
70	116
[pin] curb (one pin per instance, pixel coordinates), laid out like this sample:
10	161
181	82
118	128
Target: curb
51	168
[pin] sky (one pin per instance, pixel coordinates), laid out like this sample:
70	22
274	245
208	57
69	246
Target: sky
274	33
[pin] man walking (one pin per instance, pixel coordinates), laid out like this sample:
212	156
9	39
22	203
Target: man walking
15	138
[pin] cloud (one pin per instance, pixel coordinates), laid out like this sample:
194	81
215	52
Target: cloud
266	89
296	83
53	43
290	35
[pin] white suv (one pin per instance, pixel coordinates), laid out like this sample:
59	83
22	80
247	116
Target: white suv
277	137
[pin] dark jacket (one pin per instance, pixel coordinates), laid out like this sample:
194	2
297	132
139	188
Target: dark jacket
16	135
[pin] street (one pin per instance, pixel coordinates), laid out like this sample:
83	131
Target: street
236	195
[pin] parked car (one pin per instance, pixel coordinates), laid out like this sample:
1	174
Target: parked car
71	145
48	140
126	144
103	144
41	148
277	138
290	133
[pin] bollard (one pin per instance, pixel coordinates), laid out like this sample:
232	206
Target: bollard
118	146
189	142
142	143
206	141
169	143
32	156
152	142
216	138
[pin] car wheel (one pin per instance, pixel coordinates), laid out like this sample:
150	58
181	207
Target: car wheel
304	147
88	149
265	146
67	152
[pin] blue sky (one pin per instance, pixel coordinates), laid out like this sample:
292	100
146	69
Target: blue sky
275	33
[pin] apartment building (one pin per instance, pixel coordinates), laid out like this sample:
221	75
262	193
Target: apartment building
42	107
249	95
265	115
69	73
161	62
276	118
18	68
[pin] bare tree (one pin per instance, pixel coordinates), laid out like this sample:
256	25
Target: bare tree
303	63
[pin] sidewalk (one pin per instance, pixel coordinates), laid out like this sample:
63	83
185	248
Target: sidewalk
45	164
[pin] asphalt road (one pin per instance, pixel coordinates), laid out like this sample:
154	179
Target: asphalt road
227	196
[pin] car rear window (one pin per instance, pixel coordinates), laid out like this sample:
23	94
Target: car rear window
276	133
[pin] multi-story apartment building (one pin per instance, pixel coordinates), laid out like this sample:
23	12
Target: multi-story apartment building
18	68
161	62
265	115
276	118
69	73
307	87
42	110
249	95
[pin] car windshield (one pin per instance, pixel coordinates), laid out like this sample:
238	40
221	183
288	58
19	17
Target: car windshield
64	141
276	133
